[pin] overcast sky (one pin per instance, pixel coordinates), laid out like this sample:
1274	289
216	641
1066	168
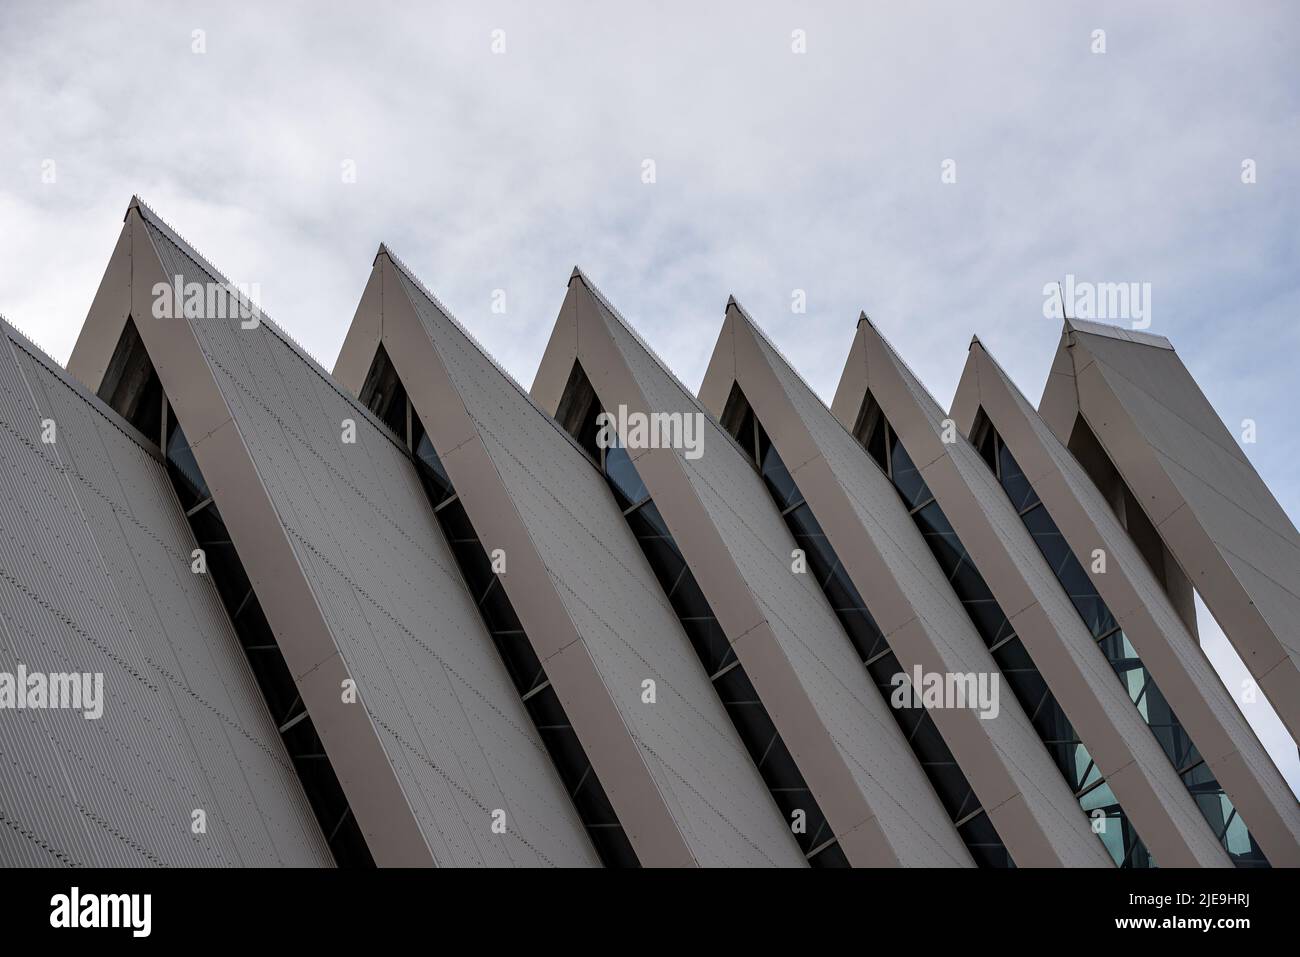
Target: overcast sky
774	171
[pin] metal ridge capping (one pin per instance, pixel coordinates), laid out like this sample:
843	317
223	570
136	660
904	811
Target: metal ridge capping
1136	336
203	263
790	366
473	341
656	358
447	314
911	373
609	306
28	342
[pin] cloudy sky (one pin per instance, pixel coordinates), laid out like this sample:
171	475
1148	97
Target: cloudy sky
498	160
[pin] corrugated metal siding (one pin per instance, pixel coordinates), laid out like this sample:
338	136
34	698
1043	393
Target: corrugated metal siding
186	634
359	521
94	576
687	740
850	706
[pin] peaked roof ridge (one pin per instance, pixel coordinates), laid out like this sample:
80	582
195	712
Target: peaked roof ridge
15	331
763	336
407	271
473	341
1112	331
457	324
767	340
733	301
889	347
153	219
1015	390
636	336
999	367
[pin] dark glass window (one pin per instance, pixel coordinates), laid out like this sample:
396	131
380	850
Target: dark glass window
131	385
1078	586
906	476
274	679
968	584
186	476
512	644
983	842
1013	480
1018	669
770	755
525	669
1119	837
1123	657
776	476
871	431
829	856
747	712
753	724
916	723
384	395
843	597
623	477
684	594
585	790
436	483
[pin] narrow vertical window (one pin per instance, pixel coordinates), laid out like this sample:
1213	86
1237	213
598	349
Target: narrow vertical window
133	389
388	399
1210	797
1048	718
932	753
578	411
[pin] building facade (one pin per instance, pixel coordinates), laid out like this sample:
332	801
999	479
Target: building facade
409	613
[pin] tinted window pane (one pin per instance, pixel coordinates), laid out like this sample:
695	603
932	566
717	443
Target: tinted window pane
1017	668
876	442
779	482
769	753
593	806
1116	831
744	433
710	643
1218	810
988	448
1120	839
1078	586
832	855
659	547
186	476
436	481
522	664
623	477
917	725
1017	486
274	679
965	579
983	842
758	733
906	476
